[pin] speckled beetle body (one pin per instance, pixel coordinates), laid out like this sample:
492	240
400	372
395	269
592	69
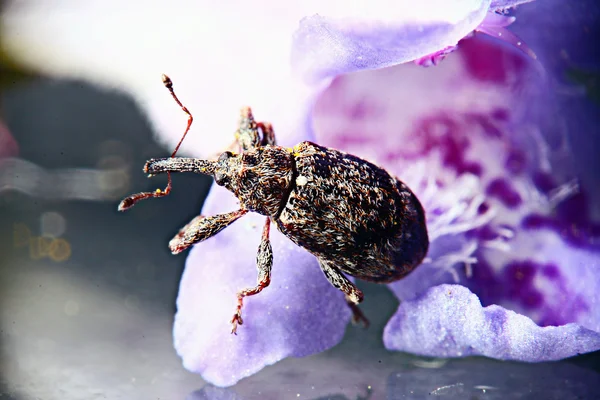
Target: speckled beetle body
352	215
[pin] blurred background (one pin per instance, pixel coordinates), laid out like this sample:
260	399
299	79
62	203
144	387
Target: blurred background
87	294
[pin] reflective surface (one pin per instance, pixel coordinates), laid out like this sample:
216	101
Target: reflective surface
87	294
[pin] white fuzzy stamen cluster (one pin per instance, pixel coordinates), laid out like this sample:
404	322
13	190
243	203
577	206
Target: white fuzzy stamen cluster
452	203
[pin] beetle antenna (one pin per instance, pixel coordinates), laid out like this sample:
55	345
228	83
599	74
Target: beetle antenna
130	201
169	85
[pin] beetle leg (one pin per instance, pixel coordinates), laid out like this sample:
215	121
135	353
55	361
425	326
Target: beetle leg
201	228
247	134
357	314
264	262
337	279
252	134
353	294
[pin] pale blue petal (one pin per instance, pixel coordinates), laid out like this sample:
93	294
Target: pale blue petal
299	314
449	321
324	47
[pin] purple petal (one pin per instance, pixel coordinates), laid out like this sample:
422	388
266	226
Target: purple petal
568	50
271	339
299	314
328	46
544	277
550	268
449	321
495	26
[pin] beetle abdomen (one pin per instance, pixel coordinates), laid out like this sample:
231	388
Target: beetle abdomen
353	213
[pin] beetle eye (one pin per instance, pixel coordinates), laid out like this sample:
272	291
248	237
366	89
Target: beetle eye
221	178
225	156
249	159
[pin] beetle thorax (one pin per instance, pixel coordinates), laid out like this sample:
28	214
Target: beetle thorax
260	178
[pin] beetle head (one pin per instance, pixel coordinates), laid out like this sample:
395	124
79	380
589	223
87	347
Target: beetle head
260	177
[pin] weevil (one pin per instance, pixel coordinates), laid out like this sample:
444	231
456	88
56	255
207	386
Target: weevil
352	215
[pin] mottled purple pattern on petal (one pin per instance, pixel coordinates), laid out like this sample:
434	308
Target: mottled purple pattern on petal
585	235
449	321
325	47
502	190
299	314
543	276
516	161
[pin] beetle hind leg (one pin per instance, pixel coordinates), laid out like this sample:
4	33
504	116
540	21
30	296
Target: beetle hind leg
357	315
352	294
264	262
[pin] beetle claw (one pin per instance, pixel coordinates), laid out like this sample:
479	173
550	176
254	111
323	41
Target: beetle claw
358	316
356	319
235	321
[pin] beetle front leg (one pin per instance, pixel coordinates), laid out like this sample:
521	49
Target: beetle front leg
252	134
268	135
201	228
264	262
353	295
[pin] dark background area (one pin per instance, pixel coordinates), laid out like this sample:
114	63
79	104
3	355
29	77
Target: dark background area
122	257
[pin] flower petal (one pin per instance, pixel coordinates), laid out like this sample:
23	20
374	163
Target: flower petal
449	321
326	46
495	25
300	313
543	276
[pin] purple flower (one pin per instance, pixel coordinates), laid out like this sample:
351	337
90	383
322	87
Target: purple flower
512	267
467	139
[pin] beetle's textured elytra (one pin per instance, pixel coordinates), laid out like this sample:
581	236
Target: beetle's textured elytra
349	213
353	215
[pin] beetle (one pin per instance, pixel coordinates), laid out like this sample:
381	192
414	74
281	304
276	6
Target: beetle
352	215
